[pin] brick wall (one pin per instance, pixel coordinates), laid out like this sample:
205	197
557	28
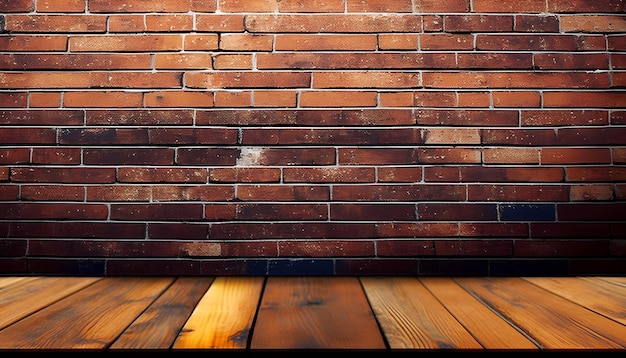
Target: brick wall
331	137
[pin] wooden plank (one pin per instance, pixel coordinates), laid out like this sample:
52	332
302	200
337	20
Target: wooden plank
614	280
412	318
158	327
551	320
603	297
223	318
6	281
489	329
315	313
26	296
89	319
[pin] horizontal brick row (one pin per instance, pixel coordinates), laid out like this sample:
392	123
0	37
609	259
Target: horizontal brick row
291	137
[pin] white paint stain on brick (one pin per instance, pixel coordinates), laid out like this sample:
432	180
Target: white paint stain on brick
250	156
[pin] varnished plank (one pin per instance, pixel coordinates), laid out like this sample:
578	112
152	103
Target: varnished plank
224	316
553	321
23	297
315	313
159	325
88	319
412	318
598	295
489	329
614	280
6	281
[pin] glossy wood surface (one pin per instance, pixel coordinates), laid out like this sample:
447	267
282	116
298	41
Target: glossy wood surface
313	313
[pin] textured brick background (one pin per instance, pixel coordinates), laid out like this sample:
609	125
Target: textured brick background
331	137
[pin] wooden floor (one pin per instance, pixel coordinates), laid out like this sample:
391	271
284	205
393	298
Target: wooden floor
307	313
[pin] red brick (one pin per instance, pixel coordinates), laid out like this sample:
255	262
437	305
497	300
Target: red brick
514	80
298	42
468	118
247	80
135	43
135	117
561	248
326	248
161	175
232	62
128	156
169	23
377	156
531	6
271	98
18	6
60	6
329	175
186	136
516	99
474	248
56	155
87	175
457	212
512	155
445	41
410	192
219	23
380	6
52	192
556	118
53	211
110	99
596	174
34	42
586	6
575	155
522	193
102	136
449	155
333	23
151	6
14	100
283	192
176	99
122	193
400	174
405	248
594	192
244	175
192	193
532	42
274	212
55	23
478	23
158	212
239	99
337	99
200	61
15	155
534	23
306	60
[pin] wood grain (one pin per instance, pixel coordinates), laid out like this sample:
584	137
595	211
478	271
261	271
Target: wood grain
601	296
315	313
223	318
412	318
19	298
158	327
89	319
487	327
551	320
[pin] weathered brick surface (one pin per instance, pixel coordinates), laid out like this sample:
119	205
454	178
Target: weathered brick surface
336	137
